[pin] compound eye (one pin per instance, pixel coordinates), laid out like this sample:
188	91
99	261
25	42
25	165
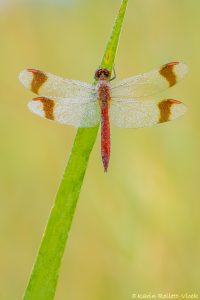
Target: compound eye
107	73
97	74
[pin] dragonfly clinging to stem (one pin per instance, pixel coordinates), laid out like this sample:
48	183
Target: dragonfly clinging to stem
126	103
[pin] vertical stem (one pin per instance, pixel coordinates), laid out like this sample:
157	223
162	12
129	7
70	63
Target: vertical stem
43	280
111	48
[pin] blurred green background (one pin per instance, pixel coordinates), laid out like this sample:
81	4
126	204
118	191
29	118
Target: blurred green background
136	229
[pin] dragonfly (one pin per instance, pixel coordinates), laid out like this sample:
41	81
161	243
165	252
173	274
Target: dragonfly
127	103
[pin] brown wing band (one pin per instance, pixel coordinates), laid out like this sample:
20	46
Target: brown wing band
165	109
48	107
167	72
38	80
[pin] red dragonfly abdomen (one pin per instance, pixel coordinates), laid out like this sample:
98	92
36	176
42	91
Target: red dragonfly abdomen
105	137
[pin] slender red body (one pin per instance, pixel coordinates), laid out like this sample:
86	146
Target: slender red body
105	136
104	97
105	132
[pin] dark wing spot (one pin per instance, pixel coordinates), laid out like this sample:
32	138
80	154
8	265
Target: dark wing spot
48	107
167	72
38	79
165	109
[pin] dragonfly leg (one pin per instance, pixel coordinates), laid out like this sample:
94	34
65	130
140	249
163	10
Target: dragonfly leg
114	74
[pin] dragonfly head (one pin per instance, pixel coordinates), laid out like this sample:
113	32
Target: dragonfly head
102	74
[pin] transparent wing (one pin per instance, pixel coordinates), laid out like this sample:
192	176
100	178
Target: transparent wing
135	114
67	111
49	85
149	83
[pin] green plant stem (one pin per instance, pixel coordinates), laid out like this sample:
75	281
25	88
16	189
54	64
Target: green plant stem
43	280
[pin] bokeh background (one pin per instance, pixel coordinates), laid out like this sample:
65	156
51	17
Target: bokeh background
136	229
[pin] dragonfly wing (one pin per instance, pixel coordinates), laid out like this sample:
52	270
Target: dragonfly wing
49	85
67	111
135	114
149	83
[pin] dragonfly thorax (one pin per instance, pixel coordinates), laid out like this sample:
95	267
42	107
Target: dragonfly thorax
104	95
